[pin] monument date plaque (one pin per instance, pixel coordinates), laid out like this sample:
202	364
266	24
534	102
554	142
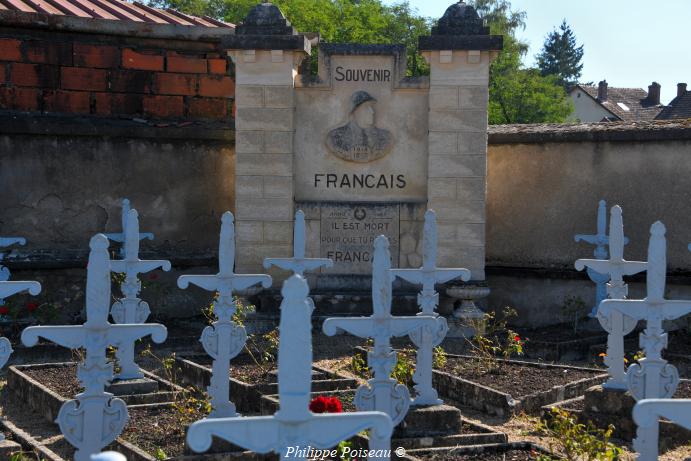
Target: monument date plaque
348	232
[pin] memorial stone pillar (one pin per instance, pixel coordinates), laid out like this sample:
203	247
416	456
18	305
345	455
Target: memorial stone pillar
266	51
459	53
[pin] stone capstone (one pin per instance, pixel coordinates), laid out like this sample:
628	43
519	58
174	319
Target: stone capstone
460	19
265	19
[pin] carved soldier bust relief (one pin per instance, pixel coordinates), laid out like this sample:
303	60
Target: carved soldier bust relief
359	140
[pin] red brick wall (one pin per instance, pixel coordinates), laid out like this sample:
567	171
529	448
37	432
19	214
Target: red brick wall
111	76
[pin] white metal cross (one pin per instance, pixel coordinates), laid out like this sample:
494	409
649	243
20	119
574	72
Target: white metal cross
617	324
382	393
131	309
224	339
647	414
652	377
601	242
293	428
298	264
121	237
429	336
95	418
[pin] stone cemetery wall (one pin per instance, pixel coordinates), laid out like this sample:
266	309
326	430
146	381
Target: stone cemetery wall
64	179
68	65
93	111
544	184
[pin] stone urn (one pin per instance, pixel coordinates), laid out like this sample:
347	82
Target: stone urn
467	315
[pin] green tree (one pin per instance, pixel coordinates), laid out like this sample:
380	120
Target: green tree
560	56
336	21
518	94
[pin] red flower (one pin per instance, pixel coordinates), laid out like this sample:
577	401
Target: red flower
31	306
333	405
319	405
4	310
517	338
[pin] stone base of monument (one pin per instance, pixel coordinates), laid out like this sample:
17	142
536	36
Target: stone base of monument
604	407
133	386
490	398
195	370
45	387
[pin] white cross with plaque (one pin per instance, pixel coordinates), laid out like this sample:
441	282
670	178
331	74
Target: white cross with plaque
298	264
293	429
647	414
131	309
652	377
431	335
95	418
382	393
617	324
224	339
122	236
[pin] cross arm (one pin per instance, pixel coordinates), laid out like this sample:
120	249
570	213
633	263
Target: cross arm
327	429
256	433
140	266
298	265
403	326
127	333
361	327
592	239
120	238
674	309
646	413
243	281
7	241
71	336
620	268
207	282
8	289
635	308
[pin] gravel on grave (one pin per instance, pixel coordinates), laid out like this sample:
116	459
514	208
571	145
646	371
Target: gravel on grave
62	380
159	427
510	455
516	379
243	368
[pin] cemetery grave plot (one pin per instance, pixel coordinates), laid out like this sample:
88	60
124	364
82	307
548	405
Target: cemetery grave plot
154	429
251	381
510	386
158	420
45	387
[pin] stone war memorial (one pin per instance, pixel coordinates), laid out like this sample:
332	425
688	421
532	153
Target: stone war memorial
243	241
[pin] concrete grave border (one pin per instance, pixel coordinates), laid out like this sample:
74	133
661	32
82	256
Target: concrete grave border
465	392
249	396
47	402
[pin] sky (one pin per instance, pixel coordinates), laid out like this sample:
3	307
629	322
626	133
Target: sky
630	43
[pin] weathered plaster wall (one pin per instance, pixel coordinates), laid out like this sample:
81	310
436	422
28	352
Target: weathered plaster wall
540	195
58	190
543	187
63	180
